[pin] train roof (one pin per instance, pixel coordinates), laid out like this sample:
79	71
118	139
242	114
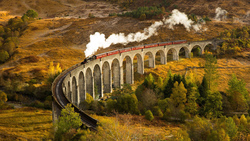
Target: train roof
151	44
165	42
101	54
179	40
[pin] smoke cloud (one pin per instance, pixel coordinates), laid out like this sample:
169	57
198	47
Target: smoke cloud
98	40
221	14
178	17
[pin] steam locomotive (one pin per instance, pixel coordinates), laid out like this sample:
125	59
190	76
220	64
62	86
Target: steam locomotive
98	56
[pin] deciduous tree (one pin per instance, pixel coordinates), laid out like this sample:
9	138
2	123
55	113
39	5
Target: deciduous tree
69	119
238	94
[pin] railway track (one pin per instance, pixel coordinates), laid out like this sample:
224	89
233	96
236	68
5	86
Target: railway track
61	100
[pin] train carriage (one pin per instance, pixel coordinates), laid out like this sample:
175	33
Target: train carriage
101	55
137	47
165	43
113	52
124	50
179	42
151	45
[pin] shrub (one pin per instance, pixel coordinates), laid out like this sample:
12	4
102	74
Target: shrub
111	105
98	107
149	12
31	13
9	47
157	111
182	116
4	56
91	15
3	97
163	104
148	115
85	105
143	17
127	103
37	104
112	14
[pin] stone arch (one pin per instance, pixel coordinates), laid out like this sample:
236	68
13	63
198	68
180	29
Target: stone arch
160	56
106	77
115	66
64	88
74	91
196	50
139	63
183	52
89	80
81	87
150	62
128	66
209	47
69	93
172	55
97	81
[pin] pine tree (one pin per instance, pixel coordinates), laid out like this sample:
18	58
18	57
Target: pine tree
203	88
211	71
192	95
179	95
213	104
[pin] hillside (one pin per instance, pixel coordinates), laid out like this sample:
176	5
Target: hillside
60	34
63	40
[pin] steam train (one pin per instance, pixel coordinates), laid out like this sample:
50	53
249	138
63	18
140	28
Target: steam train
98	56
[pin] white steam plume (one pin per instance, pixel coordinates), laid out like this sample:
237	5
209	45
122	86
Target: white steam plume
98	40
178	17
221	14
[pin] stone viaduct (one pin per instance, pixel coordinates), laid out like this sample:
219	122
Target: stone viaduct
104	74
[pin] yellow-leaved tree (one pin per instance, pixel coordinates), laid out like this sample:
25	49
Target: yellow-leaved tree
53	72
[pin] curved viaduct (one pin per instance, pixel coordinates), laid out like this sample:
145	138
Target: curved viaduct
101	75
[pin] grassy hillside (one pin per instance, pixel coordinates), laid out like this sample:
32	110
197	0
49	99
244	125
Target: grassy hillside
25	124
227	66
63	40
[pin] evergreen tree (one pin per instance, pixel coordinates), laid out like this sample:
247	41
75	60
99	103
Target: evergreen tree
179	95
210	69
230	127
192	95
168	88
149	82
213	104
203	88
